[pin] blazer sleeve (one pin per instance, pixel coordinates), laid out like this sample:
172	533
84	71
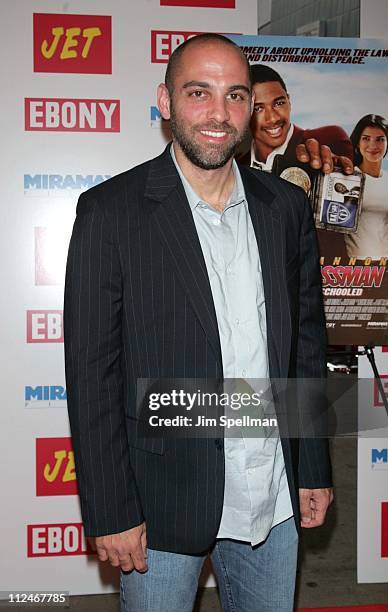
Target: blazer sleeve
93	345
314	458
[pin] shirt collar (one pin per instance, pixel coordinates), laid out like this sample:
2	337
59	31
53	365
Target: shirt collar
237	196
267	165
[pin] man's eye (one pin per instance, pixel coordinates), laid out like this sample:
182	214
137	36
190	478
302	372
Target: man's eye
197	93
258	109
236	96
279	103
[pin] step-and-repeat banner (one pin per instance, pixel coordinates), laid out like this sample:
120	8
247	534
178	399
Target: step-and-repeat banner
373	453
79	106
372	482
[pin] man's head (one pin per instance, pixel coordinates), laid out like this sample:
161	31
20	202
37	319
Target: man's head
207	97
271	118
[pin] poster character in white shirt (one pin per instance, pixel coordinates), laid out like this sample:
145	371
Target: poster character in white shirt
369	138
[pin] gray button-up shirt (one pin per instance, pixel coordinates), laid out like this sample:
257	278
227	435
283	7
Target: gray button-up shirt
256	495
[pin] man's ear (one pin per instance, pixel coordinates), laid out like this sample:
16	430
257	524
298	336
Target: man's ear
164	101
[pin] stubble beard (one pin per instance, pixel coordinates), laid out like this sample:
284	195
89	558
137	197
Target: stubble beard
213	155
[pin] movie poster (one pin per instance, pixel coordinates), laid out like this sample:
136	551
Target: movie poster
331	101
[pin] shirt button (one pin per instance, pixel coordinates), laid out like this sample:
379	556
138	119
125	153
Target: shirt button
216	221
244	372
237	321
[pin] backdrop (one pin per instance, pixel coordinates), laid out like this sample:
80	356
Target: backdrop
78	105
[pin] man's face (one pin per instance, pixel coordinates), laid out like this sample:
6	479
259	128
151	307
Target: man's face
210	106
271	117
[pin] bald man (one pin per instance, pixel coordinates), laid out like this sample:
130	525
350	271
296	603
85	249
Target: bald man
180	269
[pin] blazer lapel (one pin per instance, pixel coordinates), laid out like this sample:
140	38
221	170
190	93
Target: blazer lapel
175	225
267	224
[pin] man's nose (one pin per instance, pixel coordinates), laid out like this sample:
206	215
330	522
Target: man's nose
218	109
271	115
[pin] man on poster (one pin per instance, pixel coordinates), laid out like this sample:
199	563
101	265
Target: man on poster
273	133
180	268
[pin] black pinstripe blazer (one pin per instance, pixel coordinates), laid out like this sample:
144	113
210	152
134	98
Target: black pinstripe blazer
138	304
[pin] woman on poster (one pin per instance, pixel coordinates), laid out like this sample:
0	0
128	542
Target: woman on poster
369	138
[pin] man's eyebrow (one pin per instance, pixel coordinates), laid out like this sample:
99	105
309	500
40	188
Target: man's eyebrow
196	84
240	88
274	100
206	85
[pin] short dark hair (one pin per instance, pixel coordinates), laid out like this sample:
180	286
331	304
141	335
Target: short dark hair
376	121
264	74
176	56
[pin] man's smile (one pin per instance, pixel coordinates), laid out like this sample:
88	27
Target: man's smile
274	131
213	134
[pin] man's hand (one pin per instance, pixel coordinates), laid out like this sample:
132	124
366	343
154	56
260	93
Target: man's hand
127	549
313	505
321	157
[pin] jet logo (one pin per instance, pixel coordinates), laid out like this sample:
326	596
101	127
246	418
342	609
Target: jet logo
72	43
55	470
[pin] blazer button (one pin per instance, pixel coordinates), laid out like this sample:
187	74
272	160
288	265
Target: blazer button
219	444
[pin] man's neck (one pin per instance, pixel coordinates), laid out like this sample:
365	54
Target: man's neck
262	151
212	186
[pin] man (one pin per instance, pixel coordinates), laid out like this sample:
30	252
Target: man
274	134
180	268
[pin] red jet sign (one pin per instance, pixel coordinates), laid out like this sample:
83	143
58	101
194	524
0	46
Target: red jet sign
72	43
55	469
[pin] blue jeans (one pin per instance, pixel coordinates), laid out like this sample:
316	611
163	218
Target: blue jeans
259	579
